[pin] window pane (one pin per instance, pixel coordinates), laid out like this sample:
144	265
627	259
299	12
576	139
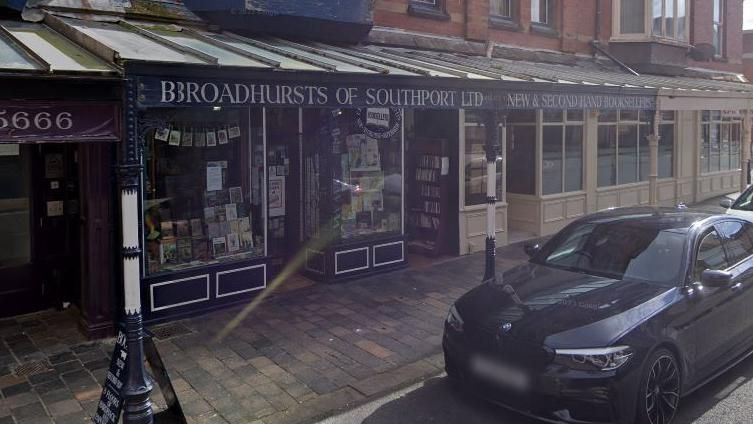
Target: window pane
656	17
705	147
734	146
553	115
628	115
475	166
714	147
628	154
607	162
724	148
643	151
551	167
666	150
203	199
632	14
608	116
669	18
540	11
521	159
738	242
575	115
15	177
573	158
500	8
681	19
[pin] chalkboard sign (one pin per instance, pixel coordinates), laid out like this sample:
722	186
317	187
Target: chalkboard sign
111	401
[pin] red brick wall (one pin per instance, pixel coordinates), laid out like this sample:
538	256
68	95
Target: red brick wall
574	20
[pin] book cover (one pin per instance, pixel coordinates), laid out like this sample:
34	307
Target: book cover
234	226
231	212
236	195
162	134
211	138
234	132
247	239
222	136
213	230
182	228
166	229
219	246
197	230
175	137
244	224
187	139
200	138
185	252
168	251
233	242
199	247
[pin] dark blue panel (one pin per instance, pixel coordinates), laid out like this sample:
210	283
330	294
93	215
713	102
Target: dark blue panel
179	292
351	260
241	280
353	11
389	253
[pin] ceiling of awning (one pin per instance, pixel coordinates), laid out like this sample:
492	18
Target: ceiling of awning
67	45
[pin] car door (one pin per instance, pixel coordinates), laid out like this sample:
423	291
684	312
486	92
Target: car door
737	237
709	310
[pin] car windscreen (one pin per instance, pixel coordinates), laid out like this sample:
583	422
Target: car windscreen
745	201
623	250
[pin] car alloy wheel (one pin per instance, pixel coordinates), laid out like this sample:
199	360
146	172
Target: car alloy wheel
662	388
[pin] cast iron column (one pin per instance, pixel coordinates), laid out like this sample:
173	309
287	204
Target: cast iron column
492	149
653	160
137	405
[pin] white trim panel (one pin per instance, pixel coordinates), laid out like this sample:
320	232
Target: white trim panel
217	281
338	272
175	305
402	253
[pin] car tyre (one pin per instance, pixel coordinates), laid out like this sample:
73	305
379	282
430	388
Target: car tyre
659	391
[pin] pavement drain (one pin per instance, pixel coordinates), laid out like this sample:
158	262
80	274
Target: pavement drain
166	331
26	369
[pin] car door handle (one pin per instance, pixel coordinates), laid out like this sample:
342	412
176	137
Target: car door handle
737	287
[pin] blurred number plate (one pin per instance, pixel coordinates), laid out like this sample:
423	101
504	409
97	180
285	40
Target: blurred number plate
500	373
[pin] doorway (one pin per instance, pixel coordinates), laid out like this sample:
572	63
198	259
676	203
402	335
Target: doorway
520	177
39	226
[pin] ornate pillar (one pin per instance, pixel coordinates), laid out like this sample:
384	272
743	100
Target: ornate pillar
745	154
138	406
653	159
492	150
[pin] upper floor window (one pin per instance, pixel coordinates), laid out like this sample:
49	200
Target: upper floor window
656	18
717	35
501	8
541	11
432	9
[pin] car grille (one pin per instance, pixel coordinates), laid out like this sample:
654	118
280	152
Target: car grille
486	337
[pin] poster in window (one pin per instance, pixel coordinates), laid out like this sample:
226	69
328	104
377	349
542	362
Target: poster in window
233	242
53	166
234	132
162	134
200	138
219	246
175	137
214	178
211	138
187	140
277	196
236	195
222	136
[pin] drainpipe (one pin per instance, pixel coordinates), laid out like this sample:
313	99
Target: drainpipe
597	27
137	406
492	150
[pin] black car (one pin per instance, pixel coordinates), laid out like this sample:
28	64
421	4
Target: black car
614	319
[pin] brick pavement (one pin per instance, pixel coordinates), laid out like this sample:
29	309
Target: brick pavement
301	355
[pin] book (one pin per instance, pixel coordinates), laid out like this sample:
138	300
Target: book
199	248
233	242
197	230
174	137
162	134
247	239
231	212
182	228
244	224
185	252
211	138
168	251
236	195
213	230
219	246
234	132
222	136
166	229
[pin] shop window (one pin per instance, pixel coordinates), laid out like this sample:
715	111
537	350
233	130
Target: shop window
521	152
667	145
562	149
623	153
721	138
15	205
431	9
356	162
203	199
717	31
667	19
475	161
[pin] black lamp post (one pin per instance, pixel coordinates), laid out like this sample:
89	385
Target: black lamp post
492	151
137	405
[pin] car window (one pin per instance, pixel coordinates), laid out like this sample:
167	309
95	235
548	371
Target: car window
710	254
738	240
745	201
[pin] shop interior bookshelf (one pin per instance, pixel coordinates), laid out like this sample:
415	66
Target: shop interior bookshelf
427	198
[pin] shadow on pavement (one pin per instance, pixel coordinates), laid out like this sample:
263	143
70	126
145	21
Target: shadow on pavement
725	399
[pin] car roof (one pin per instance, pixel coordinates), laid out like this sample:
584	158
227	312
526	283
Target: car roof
663	218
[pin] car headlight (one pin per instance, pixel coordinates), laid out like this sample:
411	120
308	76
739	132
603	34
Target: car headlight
454	320
603	359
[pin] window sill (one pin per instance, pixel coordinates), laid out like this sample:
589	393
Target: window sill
644	38
503	23
544	29
428	12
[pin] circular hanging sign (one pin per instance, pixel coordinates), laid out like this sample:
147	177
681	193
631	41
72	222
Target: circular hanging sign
379	122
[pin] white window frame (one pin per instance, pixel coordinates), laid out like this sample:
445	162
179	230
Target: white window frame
721	24
564	124
547	9
493	12
648	24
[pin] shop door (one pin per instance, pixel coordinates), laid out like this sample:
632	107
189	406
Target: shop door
56	222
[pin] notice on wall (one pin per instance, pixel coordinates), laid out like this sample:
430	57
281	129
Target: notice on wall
277	196
111	400
55	208
214	178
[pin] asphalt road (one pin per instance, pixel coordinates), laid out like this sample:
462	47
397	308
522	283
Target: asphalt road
726	400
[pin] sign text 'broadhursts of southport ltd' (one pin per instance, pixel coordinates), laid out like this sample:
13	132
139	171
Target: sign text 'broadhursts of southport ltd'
154	91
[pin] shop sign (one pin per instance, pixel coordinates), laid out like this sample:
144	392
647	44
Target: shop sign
111	400
379	122
32	122
164	91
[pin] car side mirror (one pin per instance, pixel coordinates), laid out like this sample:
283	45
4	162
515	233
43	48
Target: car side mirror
716	278
531	249
726	203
